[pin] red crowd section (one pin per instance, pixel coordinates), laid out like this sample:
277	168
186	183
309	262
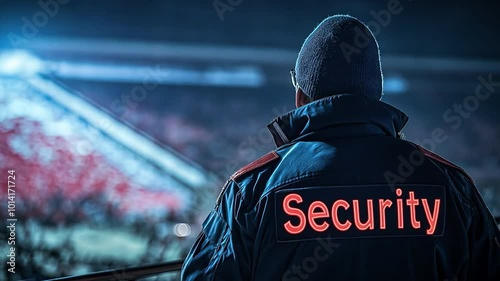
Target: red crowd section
58	185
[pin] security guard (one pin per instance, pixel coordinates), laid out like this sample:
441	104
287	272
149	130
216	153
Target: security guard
343	197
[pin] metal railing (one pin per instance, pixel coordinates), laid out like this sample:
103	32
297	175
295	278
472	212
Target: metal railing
134	273
126	274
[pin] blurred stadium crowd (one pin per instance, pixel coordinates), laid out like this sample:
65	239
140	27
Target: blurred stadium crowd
71	197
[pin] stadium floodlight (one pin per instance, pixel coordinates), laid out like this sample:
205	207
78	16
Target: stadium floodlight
19	63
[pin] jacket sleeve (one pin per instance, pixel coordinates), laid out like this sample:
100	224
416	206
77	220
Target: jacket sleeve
484	240
221	251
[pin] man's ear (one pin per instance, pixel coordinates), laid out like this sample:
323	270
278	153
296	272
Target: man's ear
301	98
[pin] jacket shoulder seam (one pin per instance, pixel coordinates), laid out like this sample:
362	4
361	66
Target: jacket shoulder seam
267	158
444	161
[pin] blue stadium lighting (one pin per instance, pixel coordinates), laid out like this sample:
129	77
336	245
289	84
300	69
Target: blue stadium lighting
126	136
240	76
395	85
19	63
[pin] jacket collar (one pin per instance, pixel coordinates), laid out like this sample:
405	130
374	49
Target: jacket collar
338	111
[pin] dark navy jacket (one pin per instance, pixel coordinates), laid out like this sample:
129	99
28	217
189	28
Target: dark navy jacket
343	197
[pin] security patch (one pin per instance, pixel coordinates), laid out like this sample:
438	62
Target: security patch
359	212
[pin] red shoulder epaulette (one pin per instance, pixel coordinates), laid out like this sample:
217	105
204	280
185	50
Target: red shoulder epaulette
256	164
438	158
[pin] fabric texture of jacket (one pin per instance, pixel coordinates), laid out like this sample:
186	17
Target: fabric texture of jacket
343	197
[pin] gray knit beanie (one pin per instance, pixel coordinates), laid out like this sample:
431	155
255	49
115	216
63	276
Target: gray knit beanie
340	56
